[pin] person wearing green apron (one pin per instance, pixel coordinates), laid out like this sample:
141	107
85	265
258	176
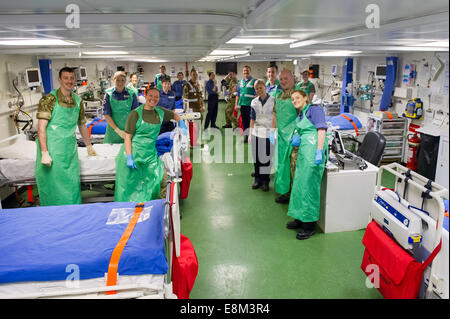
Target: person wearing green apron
139	170
57	168
285	116
245	95
306	85
119	101
310	137
159	77
132	85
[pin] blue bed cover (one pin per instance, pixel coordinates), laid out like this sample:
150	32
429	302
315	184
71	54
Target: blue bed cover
43	243
342	123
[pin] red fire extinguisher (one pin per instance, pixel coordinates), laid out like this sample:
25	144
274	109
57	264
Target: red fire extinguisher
413	146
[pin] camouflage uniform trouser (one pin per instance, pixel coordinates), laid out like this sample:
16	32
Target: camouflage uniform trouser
229	117
294	155
163	186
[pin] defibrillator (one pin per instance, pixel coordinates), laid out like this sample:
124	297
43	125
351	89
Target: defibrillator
414	109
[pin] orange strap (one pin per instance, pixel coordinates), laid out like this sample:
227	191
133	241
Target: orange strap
351	121
388	113
115	257
90	127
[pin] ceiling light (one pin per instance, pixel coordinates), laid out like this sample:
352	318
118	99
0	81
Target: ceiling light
303	43
261	41
36	42
337	53
109	46
228	52
105	52
443	44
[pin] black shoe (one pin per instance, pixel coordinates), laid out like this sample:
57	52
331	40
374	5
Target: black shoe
305	234
256	185
213	126
283	199
227	126
253	174
294	224
265	187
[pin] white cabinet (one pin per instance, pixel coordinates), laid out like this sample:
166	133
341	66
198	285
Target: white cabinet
442	161
346	198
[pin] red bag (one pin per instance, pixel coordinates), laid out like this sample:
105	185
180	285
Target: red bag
193	132
400	275
241	125
186	174
184	269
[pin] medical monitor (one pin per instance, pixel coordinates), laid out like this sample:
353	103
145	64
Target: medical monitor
81	73
380	72
33	77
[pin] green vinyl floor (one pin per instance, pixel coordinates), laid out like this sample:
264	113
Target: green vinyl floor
245	251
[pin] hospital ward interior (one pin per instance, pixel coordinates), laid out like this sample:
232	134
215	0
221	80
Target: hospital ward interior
241	149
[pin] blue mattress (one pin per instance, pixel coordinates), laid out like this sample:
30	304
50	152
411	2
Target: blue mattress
164	143
342	123
179	104
445	223
97	127
38	243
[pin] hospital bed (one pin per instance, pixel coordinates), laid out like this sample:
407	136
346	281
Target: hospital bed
17	163
49	252
43	262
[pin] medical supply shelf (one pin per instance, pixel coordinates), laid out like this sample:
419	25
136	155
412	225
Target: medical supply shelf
394	131
332	109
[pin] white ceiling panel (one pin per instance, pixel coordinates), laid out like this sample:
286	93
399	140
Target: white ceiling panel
176	30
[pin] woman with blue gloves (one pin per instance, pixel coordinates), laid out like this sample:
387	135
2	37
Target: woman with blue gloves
139	170
310	137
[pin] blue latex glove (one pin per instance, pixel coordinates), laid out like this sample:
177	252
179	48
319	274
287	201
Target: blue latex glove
318	160
182	127
272	137
295	141
130	162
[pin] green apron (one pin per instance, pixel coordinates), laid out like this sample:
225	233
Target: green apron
304	203
141	184
158	80
246	92
286	119
133	89
306	90
120	111
59	184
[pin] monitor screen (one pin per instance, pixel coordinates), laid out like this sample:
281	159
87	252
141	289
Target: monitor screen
33	76
223	68
381	70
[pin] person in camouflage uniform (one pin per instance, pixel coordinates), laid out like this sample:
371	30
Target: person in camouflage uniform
231	84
